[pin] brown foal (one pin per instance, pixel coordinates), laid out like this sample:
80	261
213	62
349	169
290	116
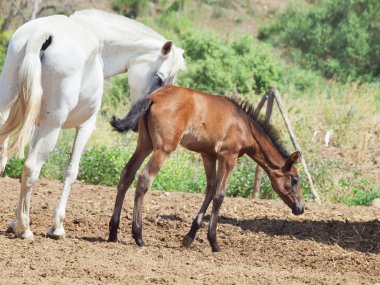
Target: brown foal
221	130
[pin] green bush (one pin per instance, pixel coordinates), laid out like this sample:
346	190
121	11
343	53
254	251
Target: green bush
116	95
130	8
361	197
341	38
103	165
4	39
182	171
134	8
218	67
14	168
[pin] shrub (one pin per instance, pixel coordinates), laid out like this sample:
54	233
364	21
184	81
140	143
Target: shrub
102	165
218	67
116	95
4	38
362	198
130	8
341	38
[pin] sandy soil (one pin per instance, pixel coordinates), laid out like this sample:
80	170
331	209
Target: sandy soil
262	242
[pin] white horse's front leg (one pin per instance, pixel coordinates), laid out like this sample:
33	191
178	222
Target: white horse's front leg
83	133
45	140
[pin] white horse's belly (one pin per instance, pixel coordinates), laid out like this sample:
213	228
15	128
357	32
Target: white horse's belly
90	94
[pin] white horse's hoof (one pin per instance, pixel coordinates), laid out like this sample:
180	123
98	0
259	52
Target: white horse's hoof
56	233
27	235
19	231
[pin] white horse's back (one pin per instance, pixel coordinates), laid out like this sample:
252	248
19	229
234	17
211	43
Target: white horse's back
72	51
71	42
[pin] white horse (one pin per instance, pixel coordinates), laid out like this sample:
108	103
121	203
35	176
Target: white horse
53	78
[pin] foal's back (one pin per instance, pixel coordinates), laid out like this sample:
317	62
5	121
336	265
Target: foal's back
199	121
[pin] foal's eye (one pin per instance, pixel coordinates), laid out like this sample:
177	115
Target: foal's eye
295	180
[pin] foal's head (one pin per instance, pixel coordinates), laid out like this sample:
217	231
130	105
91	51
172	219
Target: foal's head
153	71
285	182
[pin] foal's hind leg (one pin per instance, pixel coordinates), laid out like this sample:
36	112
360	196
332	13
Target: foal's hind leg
144	182
225	165
143	149
83	133
126	178
210	169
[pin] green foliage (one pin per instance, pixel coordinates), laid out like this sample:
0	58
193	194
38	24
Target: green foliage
218	67
103	165
52	169
130	8
116	95
341	38
135	8
362	197
14	168
4	38
182	170
359	191
240	183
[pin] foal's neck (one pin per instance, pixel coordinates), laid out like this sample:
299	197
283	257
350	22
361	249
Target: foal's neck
264	151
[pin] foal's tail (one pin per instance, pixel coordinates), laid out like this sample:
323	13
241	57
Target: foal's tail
129	122
25	111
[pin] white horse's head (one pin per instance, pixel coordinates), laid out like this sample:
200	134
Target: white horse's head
151	71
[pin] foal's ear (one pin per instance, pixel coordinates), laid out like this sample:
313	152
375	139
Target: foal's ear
293	158
166	48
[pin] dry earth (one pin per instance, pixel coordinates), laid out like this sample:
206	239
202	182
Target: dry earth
262	242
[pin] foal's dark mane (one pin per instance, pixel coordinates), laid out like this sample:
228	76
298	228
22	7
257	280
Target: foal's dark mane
273	134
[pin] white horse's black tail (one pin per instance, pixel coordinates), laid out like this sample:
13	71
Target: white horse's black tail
25	111
130	121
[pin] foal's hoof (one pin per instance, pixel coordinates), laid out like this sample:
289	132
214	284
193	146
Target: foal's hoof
56	234
140	242
112	238
216	248
187	241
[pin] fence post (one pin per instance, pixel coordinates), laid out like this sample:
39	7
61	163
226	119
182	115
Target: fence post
259	171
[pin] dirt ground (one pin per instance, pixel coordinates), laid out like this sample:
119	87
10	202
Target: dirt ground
262	242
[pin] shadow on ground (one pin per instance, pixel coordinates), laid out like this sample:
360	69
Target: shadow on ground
361	236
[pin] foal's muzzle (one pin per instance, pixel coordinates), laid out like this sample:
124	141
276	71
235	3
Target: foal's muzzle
299	208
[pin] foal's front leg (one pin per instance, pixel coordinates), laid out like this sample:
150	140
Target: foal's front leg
144	182
226	163
210	169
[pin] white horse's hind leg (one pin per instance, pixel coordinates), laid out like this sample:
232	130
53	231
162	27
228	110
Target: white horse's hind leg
83	133
45	140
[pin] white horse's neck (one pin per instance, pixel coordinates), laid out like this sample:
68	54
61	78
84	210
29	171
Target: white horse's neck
122	40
